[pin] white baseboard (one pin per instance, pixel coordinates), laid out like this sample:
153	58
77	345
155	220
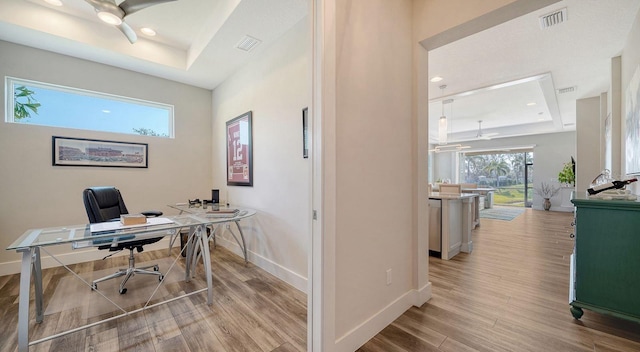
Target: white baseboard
364	332
76	256
266	264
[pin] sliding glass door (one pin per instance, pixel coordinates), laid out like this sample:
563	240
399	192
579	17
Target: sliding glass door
508	172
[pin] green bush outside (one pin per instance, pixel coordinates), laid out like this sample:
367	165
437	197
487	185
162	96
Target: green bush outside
511	195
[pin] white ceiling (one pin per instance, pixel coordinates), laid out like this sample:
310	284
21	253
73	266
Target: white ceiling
196	45
195	41
576	53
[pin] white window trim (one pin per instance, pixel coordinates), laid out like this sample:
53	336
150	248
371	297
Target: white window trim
12	82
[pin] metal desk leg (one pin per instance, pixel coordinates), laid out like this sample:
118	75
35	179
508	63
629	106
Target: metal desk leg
190	253
37	281
23	305
244	245
206	258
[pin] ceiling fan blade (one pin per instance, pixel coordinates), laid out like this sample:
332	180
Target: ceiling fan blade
100	4
132	6
128	32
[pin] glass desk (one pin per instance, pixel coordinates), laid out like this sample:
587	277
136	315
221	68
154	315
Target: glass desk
79	236
215	212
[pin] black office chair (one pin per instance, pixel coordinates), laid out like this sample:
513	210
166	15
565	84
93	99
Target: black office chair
105	204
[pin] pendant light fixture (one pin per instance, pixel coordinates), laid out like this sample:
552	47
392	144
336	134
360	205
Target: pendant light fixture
442	123
479	135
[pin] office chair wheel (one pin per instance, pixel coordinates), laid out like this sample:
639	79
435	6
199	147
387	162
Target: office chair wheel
94	287
160	278
123	291
156	268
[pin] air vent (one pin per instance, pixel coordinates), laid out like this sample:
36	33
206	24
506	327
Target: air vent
553	18
247	43
567	90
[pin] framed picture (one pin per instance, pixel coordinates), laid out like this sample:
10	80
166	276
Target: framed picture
93	152
239	151
305	134
632	139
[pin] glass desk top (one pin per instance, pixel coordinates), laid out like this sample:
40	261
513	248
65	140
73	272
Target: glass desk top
215	212
76	234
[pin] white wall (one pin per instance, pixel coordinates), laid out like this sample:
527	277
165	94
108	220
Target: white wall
588	146
275	87
373	166
36	194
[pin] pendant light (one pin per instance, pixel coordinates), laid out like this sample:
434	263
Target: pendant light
442	123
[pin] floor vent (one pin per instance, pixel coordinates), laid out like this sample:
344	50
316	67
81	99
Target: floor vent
553	18
247	43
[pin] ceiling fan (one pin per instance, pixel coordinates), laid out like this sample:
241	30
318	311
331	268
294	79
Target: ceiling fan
114	14
481	135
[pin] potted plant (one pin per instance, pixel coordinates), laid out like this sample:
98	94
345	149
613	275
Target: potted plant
546	191
567	175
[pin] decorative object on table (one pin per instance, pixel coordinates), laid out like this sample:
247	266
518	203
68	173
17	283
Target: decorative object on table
305	133
68	151
215	196
239	151
222	213
547	191
196	203
611	189
132	219
567	175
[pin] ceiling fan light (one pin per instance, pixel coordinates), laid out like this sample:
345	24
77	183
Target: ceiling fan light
54	2
148	31
109	18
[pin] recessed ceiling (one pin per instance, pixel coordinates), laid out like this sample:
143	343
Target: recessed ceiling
575	53
194	43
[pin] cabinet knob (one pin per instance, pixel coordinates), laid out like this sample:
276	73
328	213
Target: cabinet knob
572	235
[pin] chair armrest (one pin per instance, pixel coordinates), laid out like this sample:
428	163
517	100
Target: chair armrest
151	213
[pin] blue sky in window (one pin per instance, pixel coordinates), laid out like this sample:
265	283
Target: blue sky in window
72	110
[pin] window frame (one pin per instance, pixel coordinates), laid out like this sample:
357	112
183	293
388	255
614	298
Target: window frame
12	82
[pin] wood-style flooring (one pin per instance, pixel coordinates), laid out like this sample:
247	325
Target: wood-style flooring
252	311
510	294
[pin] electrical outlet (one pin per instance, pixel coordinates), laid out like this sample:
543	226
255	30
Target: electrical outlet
388	276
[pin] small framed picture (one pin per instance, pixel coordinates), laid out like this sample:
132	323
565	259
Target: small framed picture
305	133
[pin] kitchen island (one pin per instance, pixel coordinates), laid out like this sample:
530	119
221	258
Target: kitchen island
451	219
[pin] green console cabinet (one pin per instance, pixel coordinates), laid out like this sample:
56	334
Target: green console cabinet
605	265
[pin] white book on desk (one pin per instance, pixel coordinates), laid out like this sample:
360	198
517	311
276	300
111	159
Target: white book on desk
117	225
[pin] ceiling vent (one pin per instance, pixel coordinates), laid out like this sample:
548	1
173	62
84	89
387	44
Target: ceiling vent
553	18
247	43
567	90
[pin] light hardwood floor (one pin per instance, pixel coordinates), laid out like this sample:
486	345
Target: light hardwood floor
510	294
252	311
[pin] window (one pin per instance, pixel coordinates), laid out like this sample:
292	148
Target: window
507	172
45	104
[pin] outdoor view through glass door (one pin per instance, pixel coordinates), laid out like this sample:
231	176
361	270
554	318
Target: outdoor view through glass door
509	173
